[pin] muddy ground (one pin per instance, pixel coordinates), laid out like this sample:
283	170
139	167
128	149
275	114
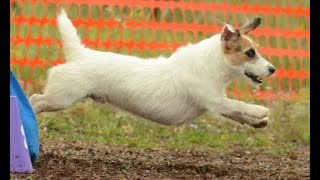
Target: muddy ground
79	160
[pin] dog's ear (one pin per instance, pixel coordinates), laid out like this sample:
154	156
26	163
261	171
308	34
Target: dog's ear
250	25
229	34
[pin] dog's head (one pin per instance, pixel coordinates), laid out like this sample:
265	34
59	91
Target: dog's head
242	54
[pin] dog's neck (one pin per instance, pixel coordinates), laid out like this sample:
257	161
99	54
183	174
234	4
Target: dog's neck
205	58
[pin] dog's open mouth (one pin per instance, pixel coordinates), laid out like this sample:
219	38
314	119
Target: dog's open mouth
254	78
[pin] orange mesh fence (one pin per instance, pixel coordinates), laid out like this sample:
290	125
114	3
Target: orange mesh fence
149	28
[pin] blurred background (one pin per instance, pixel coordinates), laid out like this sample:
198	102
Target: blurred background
149	28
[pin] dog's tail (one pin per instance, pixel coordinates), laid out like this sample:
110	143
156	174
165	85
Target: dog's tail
71	43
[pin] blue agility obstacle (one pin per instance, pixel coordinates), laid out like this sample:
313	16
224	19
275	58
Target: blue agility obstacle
27	117
20	160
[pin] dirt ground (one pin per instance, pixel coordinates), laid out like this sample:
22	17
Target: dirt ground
78	160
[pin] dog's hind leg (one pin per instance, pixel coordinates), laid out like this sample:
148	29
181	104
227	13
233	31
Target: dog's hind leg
64	87
55	99
47	102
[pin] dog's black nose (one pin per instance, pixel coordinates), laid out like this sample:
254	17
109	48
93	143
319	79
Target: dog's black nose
271	69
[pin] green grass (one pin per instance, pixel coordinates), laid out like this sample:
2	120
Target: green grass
92	122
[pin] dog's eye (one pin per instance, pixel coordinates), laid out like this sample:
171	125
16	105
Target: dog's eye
250	53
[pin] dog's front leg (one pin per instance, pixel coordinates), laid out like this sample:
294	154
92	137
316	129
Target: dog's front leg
239	111
242	118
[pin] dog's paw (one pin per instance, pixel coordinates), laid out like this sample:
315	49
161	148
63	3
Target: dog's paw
258	111
261	123
262	111
35	102
245	119
33	99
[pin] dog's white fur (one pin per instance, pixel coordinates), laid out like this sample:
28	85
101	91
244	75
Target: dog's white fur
169	91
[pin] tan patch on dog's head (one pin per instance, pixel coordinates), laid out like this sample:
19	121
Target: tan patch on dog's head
236	50
238	46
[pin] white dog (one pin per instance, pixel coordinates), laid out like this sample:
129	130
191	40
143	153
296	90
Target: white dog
170	90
